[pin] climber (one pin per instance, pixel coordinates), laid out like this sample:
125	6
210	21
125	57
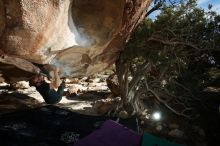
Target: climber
48	90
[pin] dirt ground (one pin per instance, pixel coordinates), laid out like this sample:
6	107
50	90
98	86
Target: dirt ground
82	96
86	96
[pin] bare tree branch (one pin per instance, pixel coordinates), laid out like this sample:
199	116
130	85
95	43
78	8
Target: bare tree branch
173	43
164	102
155	8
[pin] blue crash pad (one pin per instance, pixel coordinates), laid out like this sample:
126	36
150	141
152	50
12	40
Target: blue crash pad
150	140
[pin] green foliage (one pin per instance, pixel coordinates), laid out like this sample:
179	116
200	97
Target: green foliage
182	46
197	29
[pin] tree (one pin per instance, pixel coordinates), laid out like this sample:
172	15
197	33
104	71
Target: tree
171	58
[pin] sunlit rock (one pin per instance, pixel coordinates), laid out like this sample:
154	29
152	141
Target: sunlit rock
20	85
81	37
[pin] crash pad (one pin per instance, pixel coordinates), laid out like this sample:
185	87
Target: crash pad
111	134
50	125
150	140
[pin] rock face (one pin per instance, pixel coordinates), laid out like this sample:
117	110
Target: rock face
82	37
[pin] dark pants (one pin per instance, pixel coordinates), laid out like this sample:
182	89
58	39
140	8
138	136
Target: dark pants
55	96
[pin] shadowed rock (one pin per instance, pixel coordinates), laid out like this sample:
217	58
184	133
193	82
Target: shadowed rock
81	37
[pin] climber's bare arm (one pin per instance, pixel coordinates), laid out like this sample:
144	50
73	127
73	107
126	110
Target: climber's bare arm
55	78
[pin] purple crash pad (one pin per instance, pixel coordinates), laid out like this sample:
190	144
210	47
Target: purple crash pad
111	134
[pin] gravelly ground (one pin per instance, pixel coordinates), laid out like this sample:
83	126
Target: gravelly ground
89	92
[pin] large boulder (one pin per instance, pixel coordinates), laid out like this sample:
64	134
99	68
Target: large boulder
81	37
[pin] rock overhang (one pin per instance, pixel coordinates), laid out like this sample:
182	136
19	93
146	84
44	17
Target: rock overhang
80	37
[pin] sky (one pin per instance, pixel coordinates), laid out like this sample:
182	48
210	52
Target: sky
215	4
201	3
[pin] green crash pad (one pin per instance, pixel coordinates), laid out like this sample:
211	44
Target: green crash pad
150	140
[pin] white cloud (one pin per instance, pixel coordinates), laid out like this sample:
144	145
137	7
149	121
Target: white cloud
216	8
